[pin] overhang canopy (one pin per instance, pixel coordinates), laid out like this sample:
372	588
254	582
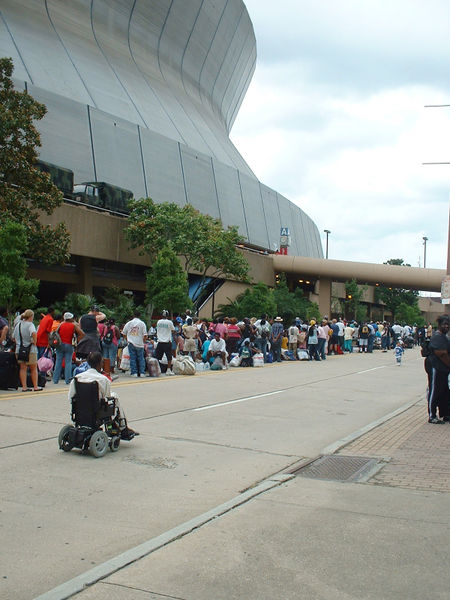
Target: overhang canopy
413	278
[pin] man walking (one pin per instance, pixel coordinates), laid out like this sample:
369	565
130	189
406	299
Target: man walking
135	332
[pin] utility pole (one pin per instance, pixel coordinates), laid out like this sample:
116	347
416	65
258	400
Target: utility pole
327	231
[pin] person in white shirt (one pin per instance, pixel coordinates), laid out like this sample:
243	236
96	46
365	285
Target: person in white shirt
136	333
95	362
217	347
341	326
293	338
164	330
398	331
348	338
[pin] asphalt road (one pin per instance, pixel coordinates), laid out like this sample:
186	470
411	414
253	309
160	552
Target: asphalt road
204	440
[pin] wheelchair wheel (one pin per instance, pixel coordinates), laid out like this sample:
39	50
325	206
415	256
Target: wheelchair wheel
98	444
63	439
114	443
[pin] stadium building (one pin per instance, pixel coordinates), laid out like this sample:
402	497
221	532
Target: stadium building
142	94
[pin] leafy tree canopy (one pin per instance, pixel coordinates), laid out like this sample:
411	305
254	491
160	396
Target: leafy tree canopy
167	283
25	191
352	304
410	314
260	299
16	292
393	297
201	240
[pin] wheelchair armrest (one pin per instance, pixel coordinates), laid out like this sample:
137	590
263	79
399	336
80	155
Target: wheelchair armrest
110	402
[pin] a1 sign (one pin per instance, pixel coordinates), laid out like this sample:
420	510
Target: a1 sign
284	231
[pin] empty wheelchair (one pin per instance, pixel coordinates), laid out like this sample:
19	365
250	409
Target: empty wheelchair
94	428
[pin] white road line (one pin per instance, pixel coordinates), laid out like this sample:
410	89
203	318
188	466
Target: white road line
236	401
367	370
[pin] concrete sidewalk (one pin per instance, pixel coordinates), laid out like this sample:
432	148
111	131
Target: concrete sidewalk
385	538
417	452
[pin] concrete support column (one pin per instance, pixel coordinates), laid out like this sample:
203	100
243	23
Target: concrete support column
325	296
86	285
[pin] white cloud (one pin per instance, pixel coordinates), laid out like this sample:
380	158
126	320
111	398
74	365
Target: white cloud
349	151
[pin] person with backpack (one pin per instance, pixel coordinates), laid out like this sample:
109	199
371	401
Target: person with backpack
109	337
64	349
24	335
364	333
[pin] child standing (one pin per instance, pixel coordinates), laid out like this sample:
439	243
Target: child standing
398	351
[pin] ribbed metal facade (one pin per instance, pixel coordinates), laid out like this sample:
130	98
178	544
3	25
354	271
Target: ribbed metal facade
142	94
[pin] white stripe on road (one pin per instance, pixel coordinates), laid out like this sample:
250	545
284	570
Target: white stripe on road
240	400
269	393
367	370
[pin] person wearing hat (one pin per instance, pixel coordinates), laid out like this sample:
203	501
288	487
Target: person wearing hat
275	338
67	331
313	341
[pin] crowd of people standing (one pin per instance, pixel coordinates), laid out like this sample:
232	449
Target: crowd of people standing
68	342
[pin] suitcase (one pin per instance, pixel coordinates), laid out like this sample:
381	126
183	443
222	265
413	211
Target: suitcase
9	371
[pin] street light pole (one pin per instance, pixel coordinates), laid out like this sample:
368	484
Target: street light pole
425	240
327	231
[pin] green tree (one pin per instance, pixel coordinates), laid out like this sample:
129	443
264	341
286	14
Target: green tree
16	291
393	297
313	312
353	308
410	314
199	239
78	304
253	302
293	304
119	306
285	301
26	192
167	283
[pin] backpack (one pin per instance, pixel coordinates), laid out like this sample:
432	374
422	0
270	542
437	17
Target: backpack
54	339
365	329
108	337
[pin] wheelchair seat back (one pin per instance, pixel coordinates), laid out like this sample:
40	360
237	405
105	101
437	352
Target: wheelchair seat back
88	410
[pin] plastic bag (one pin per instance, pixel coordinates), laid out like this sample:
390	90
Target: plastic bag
302	354
235	361
125	360
154	370
258	360
183	365
45	363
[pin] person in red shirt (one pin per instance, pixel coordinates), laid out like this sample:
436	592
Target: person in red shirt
66	331
45	326
233	336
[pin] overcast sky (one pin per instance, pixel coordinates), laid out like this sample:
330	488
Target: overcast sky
334	120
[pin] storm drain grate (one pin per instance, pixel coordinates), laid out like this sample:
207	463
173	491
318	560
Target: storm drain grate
337	468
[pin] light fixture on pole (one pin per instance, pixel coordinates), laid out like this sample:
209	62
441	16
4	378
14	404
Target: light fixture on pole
327	231
425	240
